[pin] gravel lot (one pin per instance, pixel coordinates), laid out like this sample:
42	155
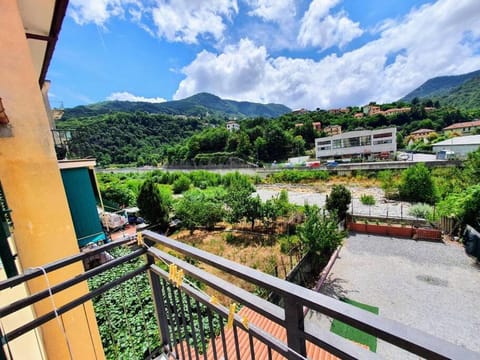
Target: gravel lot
433	287
302	194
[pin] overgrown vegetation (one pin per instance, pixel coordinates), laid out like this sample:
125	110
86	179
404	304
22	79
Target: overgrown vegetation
125	314
422	211
366	199
338	201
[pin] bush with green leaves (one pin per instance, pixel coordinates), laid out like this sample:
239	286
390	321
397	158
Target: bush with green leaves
464	206
181	184
320	233
416	185
296	176
289	243
197	208
389	183
338	201
423	211
126	314
367	199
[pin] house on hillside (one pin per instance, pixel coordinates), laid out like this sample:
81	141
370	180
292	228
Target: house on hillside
370	110
233	126
317	126
463	128
332	130
420	134
395	111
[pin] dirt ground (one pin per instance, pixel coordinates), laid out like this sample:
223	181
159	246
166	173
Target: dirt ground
263	255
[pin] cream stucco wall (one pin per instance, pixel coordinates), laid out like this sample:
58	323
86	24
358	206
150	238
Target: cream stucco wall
32	183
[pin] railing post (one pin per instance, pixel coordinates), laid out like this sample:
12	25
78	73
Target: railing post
159	304
294	324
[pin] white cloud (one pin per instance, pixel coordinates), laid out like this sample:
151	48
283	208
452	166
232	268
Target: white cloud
186	20
99	11
321	29
272	10
433	40
126	96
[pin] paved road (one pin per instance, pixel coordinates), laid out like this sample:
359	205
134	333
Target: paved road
430	286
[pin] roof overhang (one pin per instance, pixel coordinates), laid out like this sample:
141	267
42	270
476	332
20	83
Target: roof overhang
42	21
75	164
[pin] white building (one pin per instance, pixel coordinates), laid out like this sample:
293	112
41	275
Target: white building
361	143
233	126
461	145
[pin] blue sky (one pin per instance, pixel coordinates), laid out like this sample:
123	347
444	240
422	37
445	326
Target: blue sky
304	54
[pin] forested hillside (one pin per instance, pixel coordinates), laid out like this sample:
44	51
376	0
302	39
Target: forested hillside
201	105
125	138
449	90
466	96
150	139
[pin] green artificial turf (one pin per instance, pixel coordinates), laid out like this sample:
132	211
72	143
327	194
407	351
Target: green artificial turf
351	333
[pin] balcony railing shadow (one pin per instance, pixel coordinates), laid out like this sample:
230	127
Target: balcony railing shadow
193	324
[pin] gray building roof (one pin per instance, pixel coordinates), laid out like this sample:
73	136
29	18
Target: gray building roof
460	140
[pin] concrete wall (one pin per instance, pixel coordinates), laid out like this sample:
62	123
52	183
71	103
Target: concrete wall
33	187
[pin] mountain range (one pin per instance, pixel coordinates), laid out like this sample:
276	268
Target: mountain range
202	104
462	91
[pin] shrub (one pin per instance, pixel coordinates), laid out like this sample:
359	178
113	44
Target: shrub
367	199
423	211
338	201
181	184
289	243
319	233
417	185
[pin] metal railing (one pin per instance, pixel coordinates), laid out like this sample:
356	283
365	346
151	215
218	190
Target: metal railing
220	333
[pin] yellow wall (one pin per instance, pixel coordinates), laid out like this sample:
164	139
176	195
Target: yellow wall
31	180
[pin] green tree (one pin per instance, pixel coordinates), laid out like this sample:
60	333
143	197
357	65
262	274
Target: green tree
319	232
416	185
198	208
472	168
463	206
181	184
338	201
154	203
240	202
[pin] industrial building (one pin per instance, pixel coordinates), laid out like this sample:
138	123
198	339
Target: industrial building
460	146
361	143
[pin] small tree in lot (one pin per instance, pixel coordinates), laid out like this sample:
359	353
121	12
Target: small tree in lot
154	203
338	201
319	233
417	185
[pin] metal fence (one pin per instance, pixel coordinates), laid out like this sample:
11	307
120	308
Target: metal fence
179	297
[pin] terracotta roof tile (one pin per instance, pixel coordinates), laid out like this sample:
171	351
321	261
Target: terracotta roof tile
463	125
260	349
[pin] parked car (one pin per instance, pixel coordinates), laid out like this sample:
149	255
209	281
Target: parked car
332	163
312	164
403	156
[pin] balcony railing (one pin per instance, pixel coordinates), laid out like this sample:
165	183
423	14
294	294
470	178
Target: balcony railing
238	336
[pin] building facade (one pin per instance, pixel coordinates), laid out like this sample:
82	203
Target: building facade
463	128
361	143
233	126
30	176
461	146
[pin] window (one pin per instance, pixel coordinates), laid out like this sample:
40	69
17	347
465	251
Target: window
382	135
337	144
